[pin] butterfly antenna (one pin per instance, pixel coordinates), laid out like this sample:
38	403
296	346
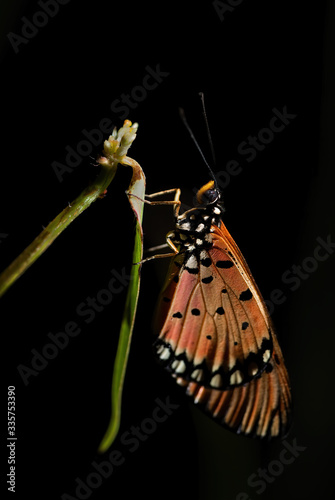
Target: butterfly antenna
202	96
183	117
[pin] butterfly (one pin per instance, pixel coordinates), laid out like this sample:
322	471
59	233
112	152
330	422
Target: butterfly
213	332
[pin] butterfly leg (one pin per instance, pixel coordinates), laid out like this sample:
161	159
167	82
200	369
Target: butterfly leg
169	243
176	201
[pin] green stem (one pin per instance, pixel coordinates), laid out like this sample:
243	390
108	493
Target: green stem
50	233
115	149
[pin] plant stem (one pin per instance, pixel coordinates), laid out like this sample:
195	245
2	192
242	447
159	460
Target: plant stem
50	233
114	152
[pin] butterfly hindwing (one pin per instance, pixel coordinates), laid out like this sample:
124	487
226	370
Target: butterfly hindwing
260	408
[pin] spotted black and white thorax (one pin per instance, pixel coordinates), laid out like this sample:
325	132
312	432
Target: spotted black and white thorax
192	234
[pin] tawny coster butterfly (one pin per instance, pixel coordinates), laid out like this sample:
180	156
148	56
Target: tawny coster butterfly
213	330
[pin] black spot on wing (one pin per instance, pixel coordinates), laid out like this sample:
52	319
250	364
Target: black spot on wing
206	262
192	270
195	312
207	280
224	264
245	295
177	315
245	325
220	310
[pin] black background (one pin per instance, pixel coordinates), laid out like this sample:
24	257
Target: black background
261	56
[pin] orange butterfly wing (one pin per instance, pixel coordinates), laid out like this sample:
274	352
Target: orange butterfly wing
217	334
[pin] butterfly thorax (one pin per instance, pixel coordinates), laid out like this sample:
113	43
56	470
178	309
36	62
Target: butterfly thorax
193	233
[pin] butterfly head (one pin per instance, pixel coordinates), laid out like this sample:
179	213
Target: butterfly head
208	194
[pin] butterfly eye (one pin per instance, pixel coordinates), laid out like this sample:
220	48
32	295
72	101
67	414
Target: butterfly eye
208	194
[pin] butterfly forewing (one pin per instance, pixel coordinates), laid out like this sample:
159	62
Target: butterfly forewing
214	332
